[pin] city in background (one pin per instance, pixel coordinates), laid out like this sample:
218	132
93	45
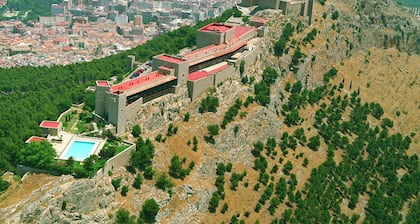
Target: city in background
82	30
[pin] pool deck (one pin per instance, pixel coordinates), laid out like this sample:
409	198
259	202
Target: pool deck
62	146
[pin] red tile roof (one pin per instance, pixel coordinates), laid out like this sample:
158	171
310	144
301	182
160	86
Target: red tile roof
102	83
234	44
197	75
50	124
133	83
205	72
216	27
171	59
35	139
241	30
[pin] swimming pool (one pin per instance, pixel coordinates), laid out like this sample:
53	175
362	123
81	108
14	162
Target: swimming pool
80	150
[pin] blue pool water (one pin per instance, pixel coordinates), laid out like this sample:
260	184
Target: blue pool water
80	150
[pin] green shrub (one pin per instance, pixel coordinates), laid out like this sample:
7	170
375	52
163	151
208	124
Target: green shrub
335	14
116	183
187	117
209	104
124	190
138	180
148	173
3	184
163	182
136	131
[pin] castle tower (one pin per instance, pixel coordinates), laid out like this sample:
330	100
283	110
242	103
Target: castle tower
130	62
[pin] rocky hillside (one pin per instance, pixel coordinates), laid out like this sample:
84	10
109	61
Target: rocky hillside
359	25
275	176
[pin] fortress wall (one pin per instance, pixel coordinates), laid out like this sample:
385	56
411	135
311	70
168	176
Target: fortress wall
291	9
132	110
116	110
209	38
196	87
249	35
223	75
119	160
269	4
100	100
229	35
251	56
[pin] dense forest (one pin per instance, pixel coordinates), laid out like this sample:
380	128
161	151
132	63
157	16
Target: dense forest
29	95
34	8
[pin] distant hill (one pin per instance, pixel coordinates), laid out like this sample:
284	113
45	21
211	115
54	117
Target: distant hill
409	3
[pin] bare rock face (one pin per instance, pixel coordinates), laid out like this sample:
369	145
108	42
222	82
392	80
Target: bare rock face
257	127
65	200
79	196
361	25
156	114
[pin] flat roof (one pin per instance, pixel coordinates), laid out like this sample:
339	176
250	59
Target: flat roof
258	19
200	51
216	27
197	75
136	82
171	59
50	124
102	83
35	139
210	50
208	71
214	51
241	30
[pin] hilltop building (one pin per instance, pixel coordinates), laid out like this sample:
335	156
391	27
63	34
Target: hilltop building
290	8
220	48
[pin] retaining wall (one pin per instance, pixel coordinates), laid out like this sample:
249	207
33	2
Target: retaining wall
121	159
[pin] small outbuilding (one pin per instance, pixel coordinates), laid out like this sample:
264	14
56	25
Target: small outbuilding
52	128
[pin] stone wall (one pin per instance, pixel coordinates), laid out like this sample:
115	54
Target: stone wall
208	38
223	75
251	56
116	107
269	4
291	9
119	160
196	87
132	109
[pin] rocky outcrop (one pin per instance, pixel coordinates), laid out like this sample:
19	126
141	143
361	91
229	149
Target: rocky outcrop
257	126
65	200
361	24
157	114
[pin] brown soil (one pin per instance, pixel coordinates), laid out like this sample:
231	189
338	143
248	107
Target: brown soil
17	191
390	78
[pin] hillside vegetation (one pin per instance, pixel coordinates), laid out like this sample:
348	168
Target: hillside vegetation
29	95
325	132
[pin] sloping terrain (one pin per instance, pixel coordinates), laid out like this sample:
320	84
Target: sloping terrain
361	170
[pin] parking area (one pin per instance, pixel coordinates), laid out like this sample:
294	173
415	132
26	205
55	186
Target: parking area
142	69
